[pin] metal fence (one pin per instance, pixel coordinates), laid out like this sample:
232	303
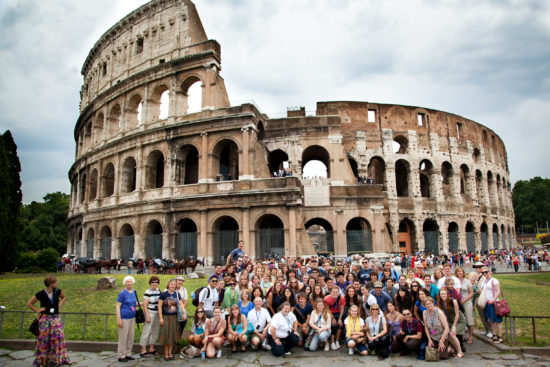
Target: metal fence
90	248
484	241
495	240
453	241
186	245
224	242
126	247
270	242
106	248
470	242
511	331
324	241
431	242
79	248
359	241
153	246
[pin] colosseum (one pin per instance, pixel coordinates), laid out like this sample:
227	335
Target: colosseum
152	178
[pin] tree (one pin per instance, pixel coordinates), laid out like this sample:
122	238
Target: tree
532	202
44	223
10	202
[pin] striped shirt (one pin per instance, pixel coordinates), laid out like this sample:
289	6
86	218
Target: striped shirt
153	298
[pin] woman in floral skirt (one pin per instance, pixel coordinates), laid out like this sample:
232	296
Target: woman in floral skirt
50	343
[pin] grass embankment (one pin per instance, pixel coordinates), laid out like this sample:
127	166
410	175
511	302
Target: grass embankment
82	296
525	297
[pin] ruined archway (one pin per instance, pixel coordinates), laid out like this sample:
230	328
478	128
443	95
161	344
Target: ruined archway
431	236
278	162
446	177
93	184
108	180
402	177
187	165
321	235
90	243
358	236
470	238
377	170
406	237
484	237
154	170
186	239
425	173
452	232
226	238
126	238
313	160
400	144
129	174
226	160
153	240
105	236
270	237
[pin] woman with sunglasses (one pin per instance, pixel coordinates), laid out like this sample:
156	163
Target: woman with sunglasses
294	285
213	335
151	327
491	286
378	340
197	328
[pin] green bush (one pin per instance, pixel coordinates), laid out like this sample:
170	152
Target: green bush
544	239
27	261
47	259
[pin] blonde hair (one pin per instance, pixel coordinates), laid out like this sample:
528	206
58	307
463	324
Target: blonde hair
457	270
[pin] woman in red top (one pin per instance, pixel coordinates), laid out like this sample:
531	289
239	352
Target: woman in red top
336	303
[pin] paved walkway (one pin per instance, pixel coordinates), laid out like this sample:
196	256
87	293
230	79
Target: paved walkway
479	354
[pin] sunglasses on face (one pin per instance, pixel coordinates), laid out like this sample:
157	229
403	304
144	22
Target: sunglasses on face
200	311
406	314
484	272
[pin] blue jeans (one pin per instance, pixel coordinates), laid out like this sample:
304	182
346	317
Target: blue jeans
318	338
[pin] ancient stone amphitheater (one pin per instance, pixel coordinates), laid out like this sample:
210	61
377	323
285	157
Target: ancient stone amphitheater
153	179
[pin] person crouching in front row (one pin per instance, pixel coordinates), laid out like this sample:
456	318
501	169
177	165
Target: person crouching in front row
283	334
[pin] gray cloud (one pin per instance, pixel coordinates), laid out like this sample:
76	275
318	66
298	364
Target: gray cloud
485	60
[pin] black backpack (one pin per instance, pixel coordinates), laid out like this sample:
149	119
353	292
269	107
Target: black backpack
197	294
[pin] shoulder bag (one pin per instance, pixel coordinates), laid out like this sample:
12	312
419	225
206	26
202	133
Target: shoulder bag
34	327
501	306
140	315
432	354
482	299
180	309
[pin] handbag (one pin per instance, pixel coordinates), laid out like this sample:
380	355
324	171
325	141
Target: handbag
140	315
482	300
501	306
432	354
190	351
34	327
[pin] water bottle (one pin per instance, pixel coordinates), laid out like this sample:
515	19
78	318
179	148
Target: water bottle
203	356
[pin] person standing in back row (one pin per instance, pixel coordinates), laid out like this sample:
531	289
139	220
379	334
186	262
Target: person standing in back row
236	253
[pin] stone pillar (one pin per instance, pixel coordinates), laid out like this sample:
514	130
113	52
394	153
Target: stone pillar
419	236
444	246
339	235
140	169
204	159
246	230
414	182
203	250
436	185
390	180
293	244
245	161
166	242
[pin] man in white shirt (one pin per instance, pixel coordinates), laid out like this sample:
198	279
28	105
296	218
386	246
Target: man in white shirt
260	319
208	297
447	273
283	334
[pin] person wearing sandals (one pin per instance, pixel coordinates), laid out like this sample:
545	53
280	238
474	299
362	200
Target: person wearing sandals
50	343
237	330
437	329
378	339
213	335
355	338
467	292
492	292
168	318
455	318
320	323
151	327
126	319
197	328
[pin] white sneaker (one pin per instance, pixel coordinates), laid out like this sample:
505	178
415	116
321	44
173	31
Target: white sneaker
350	351
327	346
489	335
333	346
219	354
337	345
483	332
267	347
288	353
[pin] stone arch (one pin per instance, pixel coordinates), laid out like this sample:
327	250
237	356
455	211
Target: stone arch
490	189
407	236
134	111
470	237
114	122
153	240
425	172
92	193
129	175
446	177
377	170
358	236
484	239
159	102
278	160
496	236
82	186
191	94
187	165
402	177
431	236
270	236
479	185
464	179
354	166
321	235
126	241
154	170
503	236
186	239
105	236
319	154
452	230
400	144
225	230
476	155
108	179
226	160
98	127
90	243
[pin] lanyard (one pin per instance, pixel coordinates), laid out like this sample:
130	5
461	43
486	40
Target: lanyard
374	327
288	323
409	326
354	325
215	326
258	316
50	298
432	318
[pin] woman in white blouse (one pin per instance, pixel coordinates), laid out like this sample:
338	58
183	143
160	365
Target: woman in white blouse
320	323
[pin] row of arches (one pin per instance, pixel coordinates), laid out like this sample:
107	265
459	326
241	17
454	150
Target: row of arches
358	235
141	107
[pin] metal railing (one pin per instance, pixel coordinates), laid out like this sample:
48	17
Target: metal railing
510	327
25	325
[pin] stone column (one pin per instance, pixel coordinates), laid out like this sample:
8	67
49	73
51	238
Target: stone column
390	180
293	245
202	250
444	246
204	159
436	186
419	236
414	182
339	235
166	243
245	166
246	231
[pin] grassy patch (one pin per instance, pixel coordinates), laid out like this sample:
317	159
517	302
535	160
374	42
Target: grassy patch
16	290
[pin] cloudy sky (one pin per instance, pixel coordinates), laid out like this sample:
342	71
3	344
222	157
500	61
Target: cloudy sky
485	60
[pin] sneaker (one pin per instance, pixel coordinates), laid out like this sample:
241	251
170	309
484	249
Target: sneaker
337	345
489	335
254	347
327	346
219	354
333	346
484	332
267	347
350	351
288	353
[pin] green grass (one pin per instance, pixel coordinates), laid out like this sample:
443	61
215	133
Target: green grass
16	290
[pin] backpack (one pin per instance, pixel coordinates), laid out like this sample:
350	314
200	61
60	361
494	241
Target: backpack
196	296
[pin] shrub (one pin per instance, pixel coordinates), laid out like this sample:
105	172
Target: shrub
545	238
47	259
26	261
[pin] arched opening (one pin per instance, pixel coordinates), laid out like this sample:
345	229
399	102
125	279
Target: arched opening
479	187
186	239
270	237
98	127
78	251
406	237
261	131
154	170
82	188
226	156
108	180
470	238
476	155
431	236
192	95
354	167
358	236
164	105
315	162
321	235
278	163
187	165
226	238
128	179
400	144
425	172
90	244
490	188
114	123
105	238
503	236
495	236
446	176
377	170
153	240
464	178
133	112
453	237
510	232
93	185
484	239
126	242
159	102
402	171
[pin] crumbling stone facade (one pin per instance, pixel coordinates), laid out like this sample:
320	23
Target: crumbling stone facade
148	183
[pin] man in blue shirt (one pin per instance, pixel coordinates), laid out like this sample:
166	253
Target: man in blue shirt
236	253
382	298
364	273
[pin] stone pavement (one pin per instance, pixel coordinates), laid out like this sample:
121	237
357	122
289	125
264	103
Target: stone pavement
479	354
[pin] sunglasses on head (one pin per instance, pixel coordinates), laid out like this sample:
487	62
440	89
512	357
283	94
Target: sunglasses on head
484	272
